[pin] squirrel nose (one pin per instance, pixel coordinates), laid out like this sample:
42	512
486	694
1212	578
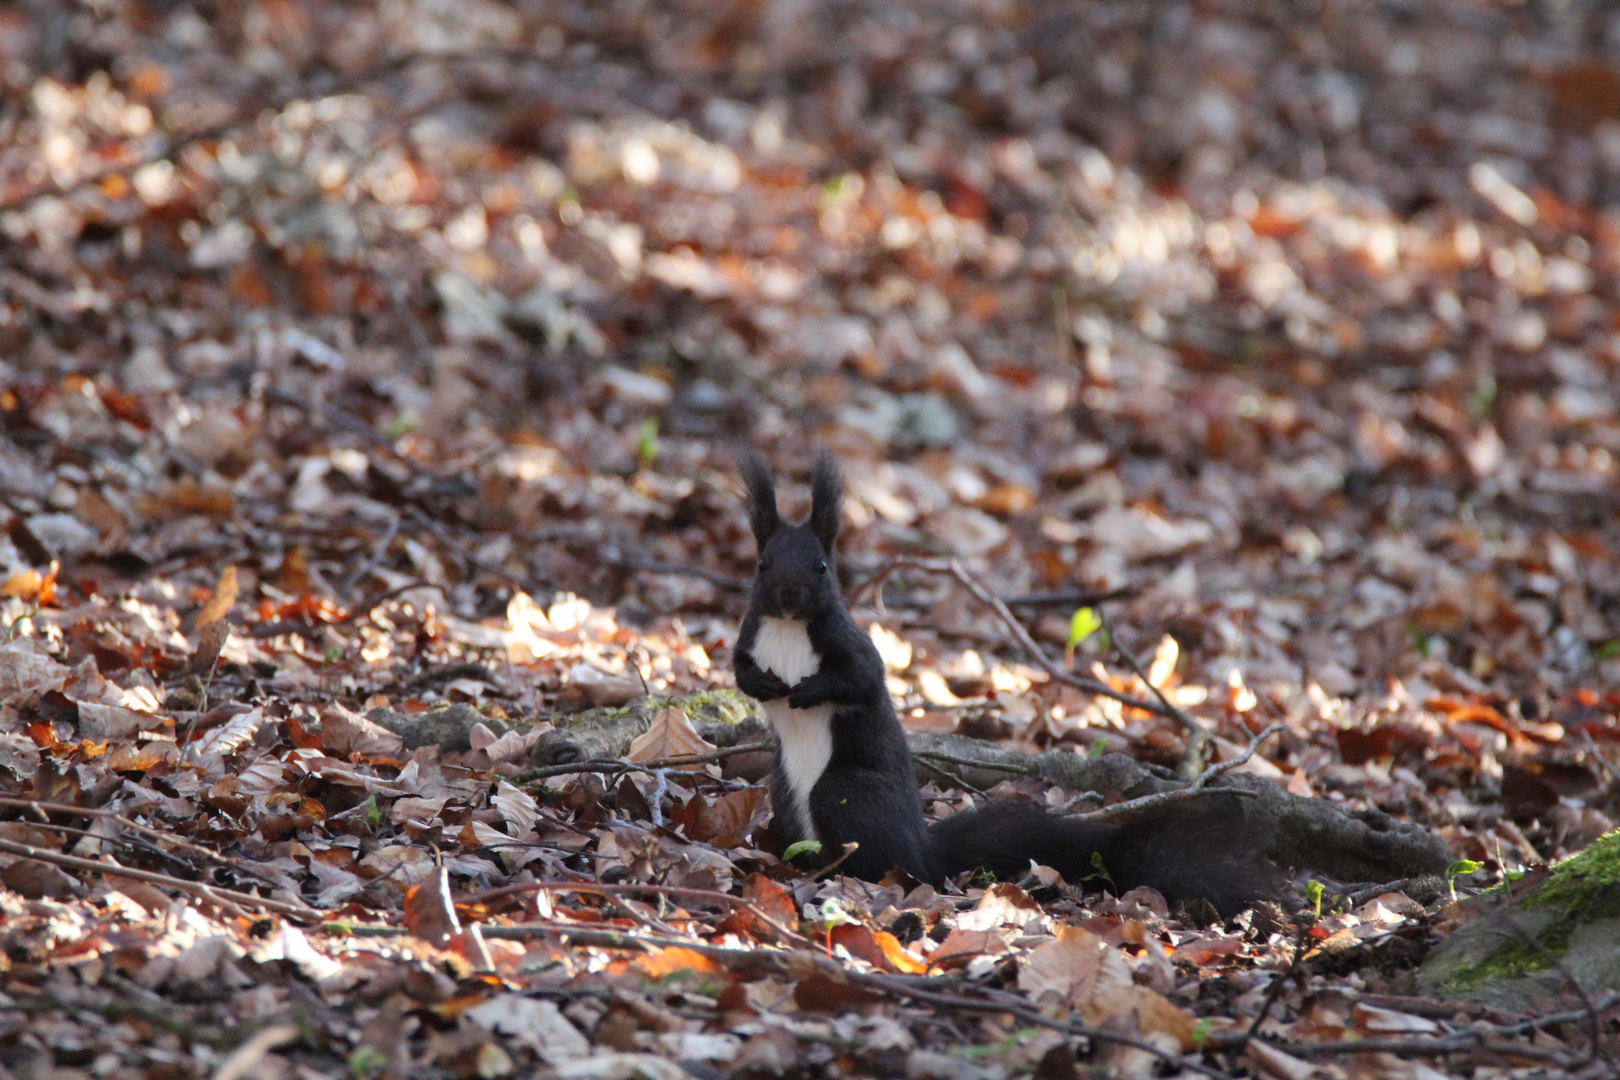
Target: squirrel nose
789	597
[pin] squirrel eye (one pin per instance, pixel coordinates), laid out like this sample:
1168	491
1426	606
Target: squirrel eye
821	566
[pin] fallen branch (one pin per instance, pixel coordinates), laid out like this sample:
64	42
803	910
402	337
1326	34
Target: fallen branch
1197	735
621	765
954	568
1461	1043
1338	843
660	890
1199	786
224	897
158	836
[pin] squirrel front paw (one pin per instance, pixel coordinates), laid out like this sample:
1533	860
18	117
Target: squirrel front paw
810	692
762	685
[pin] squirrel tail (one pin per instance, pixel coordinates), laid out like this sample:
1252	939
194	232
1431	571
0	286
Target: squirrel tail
1188	850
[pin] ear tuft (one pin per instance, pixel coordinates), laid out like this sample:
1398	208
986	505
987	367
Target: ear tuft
756	478
826	500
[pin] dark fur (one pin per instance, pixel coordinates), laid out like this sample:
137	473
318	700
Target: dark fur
868	793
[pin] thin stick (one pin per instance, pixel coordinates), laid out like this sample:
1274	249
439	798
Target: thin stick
1028	644
1463	1042
994	766
619	764
849	849
660	890
1198	737
1132	806
959	781
156	835
1225	766
207	892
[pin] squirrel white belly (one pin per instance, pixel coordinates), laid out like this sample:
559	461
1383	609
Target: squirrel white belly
804	736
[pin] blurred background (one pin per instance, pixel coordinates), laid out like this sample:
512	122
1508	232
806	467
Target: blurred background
1290	321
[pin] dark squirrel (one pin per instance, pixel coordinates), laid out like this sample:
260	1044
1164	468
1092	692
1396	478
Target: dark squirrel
843	773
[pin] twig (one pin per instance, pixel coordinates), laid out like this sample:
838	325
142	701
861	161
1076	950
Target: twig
1199	786
1070	597
138	846
1462	1042
532	586
1557	964
959	781
994	766
620	765
1028	644
1132	806
1274	992
1197	736
1002	1001
660	890
195	888
157	835
373	560
1225	766
849	849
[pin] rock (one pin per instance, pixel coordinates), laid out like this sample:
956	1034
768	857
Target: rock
1517	952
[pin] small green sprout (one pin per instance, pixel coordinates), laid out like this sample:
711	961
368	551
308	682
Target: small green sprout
1460	868
813	847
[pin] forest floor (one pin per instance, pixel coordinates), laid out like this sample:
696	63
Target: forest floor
397	354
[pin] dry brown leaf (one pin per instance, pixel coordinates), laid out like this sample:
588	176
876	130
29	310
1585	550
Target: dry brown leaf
722	822
210	641
671	735
219	604
1077	965
429	912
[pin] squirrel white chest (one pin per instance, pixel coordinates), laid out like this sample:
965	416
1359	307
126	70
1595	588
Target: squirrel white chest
782	647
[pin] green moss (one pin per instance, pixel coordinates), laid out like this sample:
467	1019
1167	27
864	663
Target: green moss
1580	889
1578	883
722	705
1506	963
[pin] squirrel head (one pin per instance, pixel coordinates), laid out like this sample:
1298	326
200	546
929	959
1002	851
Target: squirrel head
795	579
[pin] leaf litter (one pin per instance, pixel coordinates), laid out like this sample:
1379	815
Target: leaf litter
365	358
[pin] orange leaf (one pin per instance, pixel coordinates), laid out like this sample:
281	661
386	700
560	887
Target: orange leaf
301	736
666	962
898	958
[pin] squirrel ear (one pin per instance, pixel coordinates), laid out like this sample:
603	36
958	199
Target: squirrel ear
756	478
826	498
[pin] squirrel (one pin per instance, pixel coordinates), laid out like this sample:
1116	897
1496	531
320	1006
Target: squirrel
842	770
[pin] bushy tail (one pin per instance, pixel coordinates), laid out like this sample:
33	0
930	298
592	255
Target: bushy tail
1187	850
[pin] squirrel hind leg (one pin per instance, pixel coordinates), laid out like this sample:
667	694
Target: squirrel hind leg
885	820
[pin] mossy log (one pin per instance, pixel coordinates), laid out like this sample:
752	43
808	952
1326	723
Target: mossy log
720	716
1561	931
1346	846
